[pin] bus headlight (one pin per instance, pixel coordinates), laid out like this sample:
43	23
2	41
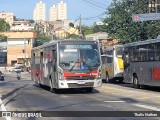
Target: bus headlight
99	73
60	74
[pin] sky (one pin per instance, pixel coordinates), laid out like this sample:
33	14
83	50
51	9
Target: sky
24	8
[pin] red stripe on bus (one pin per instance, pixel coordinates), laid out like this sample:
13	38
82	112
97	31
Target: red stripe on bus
156	73
93	73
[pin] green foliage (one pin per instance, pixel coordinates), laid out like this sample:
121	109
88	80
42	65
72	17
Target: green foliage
99	28
41	39
3	38
87	30
120	25
4	26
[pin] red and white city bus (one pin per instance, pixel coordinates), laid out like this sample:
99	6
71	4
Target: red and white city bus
62	64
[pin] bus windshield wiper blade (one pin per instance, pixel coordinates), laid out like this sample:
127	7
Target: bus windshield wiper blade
88	66
73	65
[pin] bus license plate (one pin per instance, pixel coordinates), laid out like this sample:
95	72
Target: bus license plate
81	82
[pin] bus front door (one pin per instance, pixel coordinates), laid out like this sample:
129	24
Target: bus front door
127	68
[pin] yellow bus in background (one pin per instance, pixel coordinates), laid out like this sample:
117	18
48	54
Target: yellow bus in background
112	64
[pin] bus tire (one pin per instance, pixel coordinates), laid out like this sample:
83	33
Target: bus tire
135	82
120	80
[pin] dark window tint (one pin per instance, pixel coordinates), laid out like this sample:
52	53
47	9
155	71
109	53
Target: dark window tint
103	59
135	54
157	51
151	52
143	53
110	52
109	59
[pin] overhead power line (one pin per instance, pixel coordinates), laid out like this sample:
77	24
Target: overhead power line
100	3
93	4
93	17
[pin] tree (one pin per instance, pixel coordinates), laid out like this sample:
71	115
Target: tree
41	39
4	26
119	22
87	30
3	38
98	28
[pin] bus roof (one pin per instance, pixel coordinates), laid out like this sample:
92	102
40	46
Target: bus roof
53	42
142	42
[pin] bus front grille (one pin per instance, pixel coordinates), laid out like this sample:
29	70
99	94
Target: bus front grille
75	85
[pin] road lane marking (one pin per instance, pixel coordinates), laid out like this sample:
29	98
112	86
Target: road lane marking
3	108
147	107
116	101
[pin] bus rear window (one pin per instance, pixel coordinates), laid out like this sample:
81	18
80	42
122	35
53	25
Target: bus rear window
119	51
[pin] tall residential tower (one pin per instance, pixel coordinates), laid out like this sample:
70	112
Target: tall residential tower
58	12
53	13
39	13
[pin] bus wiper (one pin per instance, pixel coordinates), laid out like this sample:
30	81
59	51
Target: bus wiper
88	66
73	65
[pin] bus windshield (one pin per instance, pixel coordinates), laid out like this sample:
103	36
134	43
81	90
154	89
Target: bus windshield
79	57
119	52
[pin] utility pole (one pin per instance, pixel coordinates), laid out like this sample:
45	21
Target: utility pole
80	27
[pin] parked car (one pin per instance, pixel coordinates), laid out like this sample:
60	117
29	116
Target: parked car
1	76
17	69
11	69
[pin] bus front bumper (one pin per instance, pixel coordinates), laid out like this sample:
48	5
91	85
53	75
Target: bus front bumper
79	83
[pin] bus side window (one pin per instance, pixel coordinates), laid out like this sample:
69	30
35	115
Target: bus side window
135	54
109	59
158	51
109	56
151	52
103	60
54	59
143	53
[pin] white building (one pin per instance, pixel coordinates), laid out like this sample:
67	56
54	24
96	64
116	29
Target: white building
97	36
62	11
7	16
58	12
21	26
39	13
53	13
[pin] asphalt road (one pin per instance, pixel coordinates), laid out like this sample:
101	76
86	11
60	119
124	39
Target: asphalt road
24	95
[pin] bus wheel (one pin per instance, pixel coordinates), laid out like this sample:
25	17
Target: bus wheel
89	90
107	78
135	82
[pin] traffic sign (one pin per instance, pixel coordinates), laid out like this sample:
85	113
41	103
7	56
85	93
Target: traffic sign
145	17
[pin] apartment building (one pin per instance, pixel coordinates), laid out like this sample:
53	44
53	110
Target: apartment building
21	26
39	13
62	11
58	12
53	13
17	43
7	16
